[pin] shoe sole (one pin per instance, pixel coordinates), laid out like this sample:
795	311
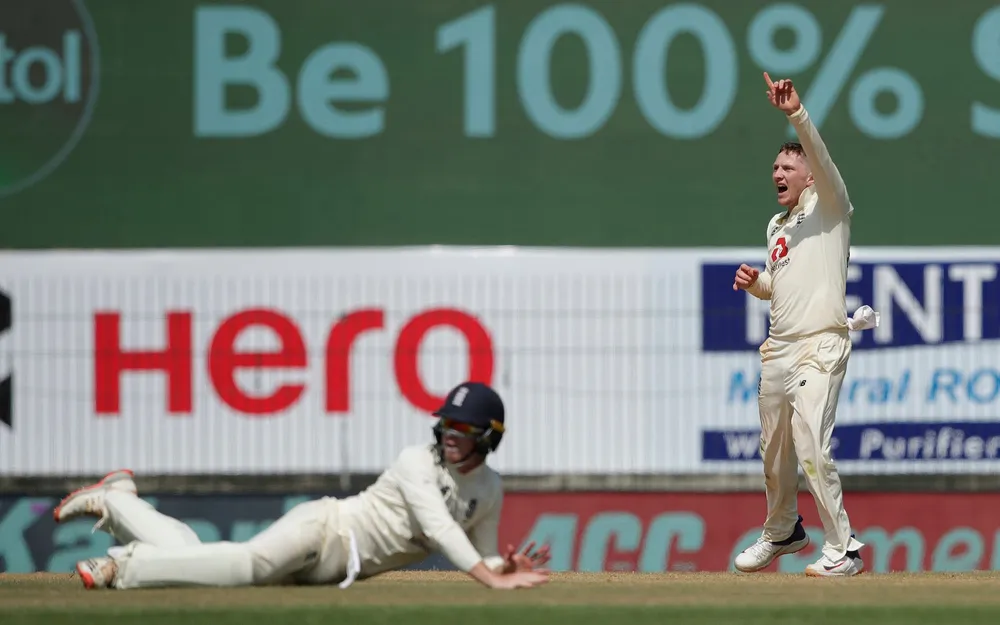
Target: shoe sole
811	573
85	575
786	550
104	480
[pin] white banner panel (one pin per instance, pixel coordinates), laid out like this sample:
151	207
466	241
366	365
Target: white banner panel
609	361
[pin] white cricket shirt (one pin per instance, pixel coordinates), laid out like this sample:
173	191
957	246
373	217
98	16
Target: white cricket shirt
808	249
420	505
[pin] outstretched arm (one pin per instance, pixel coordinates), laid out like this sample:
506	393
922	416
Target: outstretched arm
484	538
829	183
417	483
429	510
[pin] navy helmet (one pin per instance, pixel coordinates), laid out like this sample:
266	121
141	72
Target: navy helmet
473	409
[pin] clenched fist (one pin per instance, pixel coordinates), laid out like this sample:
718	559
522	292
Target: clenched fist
745	277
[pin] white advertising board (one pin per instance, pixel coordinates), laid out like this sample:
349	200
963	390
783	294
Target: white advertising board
609	361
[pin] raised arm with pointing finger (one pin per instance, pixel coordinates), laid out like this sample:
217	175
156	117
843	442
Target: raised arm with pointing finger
829	183
804	358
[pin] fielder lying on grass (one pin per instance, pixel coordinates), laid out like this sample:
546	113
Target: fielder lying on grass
440	496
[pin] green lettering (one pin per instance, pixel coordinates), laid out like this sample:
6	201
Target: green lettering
967	559
558	532
600	530
883	545
995	560
83	543
686	527
14	549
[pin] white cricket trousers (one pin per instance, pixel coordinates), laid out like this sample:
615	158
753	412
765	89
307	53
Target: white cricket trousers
799	389
304	546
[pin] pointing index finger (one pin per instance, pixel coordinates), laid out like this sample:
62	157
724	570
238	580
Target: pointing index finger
770	85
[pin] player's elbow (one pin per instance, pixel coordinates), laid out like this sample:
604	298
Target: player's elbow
843	200
437	536
443	534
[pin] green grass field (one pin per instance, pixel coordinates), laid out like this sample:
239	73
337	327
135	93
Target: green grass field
423	598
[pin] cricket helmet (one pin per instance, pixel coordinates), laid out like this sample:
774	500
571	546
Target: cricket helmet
473	409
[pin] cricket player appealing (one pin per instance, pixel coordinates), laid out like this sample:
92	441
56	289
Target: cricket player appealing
804	358
439	496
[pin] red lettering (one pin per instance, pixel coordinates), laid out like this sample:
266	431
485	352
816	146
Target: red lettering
111	361
480	353
224	360
338	355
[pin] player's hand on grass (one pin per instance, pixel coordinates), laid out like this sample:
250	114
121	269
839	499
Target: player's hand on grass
745	277
521	579
782	95
526	560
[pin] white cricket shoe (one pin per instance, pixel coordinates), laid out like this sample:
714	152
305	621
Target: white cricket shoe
89	500
850	564
762	553
97	572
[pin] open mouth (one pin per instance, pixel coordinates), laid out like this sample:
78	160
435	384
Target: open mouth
782	188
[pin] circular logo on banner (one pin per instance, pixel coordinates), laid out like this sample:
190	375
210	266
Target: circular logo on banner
48	87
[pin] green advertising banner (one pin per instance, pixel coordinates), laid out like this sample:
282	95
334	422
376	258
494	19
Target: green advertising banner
532	122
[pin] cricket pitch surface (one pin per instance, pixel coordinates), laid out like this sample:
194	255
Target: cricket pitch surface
433	598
